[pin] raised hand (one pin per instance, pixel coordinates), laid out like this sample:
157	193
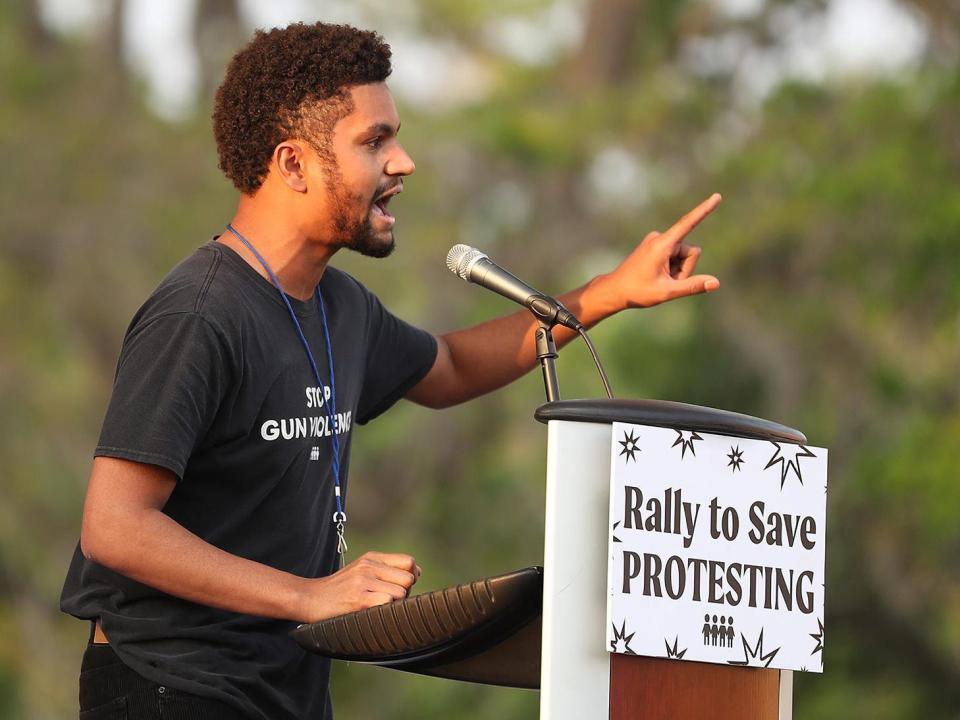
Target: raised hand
661	267
372	579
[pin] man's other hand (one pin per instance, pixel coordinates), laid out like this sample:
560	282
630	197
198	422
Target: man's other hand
661	267
372	579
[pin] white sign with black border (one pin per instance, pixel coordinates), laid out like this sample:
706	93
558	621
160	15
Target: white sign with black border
716	548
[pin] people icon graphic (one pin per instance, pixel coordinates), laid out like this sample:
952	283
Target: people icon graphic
719	634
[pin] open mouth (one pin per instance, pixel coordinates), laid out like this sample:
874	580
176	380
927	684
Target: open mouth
380	208
380	204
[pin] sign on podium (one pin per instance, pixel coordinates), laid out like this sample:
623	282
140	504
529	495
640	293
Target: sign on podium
716	548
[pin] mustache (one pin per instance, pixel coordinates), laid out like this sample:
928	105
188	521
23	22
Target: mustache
387	187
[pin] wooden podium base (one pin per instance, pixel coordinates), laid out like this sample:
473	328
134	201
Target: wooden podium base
656	689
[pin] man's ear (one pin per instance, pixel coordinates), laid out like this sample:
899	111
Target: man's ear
289	159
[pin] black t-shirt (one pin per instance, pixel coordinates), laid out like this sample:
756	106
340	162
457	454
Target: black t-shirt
214	384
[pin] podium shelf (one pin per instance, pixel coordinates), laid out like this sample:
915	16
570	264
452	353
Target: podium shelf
664	413
485	631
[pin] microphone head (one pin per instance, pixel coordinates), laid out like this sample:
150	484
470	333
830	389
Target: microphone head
462	258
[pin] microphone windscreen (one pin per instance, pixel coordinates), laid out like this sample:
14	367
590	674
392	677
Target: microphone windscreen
461	258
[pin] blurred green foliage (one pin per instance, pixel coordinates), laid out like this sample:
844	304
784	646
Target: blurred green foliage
837	245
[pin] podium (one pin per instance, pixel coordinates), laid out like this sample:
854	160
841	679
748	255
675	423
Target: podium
579	679
546	628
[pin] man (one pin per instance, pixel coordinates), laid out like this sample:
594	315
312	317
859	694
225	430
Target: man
214	508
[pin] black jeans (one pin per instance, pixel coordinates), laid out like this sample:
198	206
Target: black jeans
109	690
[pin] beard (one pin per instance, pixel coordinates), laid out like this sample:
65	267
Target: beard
364	240
357	234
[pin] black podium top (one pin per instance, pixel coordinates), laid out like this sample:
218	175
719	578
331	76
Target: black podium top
487	631
664	413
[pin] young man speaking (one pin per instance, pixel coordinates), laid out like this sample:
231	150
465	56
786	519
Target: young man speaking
214	513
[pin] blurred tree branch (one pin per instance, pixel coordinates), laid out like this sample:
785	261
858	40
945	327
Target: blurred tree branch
218	32
33	30
612	29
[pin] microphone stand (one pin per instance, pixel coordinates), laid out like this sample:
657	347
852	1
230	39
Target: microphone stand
547	355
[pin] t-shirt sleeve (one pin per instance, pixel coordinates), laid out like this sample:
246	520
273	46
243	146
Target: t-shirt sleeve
169	383
398	357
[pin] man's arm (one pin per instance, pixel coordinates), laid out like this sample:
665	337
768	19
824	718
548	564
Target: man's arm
477	360
125	530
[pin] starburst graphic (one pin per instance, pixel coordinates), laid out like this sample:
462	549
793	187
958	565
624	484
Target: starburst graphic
630	446
788	464
818	636
736	458
621	635
755	653
685	439
672	651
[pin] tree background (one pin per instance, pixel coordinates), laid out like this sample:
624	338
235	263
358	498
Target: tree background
541	131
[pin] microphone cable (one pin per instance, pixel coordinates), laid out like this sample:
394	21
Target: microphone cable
596	359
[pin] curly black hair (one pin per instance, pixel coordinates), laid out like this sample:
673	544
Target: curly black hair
290	82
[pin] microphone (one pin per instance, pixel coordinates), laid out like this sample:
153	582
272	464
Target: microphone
475	267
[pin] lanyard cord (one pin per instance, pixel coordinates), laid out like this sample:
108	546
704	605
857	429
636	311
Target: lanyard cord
339	517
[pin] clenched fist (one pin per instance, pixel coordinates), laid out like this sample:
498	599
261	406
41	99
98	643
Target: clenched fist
372	579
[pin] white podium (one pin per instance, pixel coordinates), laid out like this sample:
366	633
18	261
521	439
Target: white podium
579	678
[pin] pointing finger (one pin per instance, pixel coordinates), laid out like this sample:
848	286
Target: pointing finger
688	222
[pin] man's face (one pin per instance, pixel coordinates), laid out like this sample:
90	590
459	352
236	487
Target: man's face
369	166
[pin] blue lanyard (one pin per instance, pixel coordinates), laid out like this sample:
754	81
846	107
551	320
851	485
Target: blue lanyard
339	517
